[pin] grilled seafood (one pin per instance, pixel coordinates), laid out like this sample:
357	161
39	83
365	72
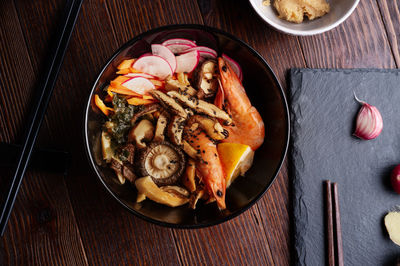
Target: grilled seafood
209	167
248	126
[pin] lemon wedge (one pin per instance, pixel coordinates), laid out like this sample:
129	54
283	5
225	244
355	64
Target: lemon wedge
236	159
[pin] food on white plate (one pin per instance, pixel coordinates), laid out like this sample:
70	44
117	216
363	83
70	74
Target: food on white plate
392	224
295	10
180	134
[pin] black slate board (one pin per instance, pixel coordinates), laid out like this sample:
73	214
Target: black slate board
323	112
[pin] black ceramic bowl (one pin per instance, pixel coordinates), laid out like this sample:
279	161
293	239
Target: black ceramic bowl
265	94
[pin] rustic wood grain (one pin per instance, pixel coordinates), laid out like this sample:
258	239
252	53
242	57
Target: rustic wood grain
130	19
390	11
42	222
42	228
110	234
13	87
74	221
240	241
360	41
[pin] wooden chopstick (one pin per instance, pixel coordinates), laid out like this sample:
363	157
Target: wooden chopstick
329	224
337	226
333	225
40	105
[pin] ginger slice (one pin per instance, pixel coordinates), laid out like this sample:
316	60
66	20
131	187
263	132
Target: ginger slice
392	224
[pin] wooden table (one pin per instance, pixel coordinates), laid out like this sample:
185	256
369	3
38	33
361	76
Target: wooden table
71	219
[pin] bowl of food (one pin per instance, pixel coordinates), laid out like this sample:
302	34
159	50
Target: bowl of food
304	17
186	126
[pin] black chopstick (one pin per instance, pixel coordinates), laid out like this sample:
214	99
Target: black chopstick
333	225
40	105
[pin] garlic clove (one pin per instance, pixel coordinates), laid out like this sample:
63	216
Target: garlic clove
369	122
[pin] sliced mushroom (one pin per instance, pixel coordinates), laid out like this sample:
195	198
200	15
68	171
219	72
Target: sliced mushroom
123	171
179	191
117	166
169	103
128	173
143	132
140	197
194	198
189	150
201	106
162	161
188	179
175	130
162	123
146	186
106	146
108	126
148	109
211	126
175	85
205	78
183	78
189	111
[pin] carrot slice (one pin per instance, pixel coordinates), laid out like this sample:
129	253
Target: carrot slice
119	80
139	101
126	64
124	71
100	104
122	90
132	70
109	92
157	83
148	97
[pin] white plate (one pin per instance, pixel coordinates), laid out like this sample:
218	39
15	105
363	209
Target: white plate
340	11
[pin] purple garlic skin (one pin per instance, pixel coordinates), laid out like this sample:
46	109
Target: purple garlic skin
369	122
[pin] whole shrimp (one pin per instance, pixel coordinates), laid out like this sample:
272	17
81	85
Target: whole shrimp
248	126
209	167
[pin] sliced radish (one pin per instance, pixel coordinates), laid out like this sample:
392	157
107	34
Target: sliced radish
178	48
202	49
165	53
179	40
143	75
139	85
207	55
187	62
234	65
145	54
153	65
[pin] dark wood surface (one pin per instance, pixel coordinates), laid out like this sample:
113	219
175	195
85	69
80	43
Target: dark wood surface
72	220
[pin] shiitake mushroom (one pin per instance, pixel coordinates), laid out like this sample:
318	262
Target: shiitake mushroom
162	161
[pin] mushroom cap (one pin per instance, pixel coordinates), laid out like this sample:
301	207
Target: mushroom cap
163	162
